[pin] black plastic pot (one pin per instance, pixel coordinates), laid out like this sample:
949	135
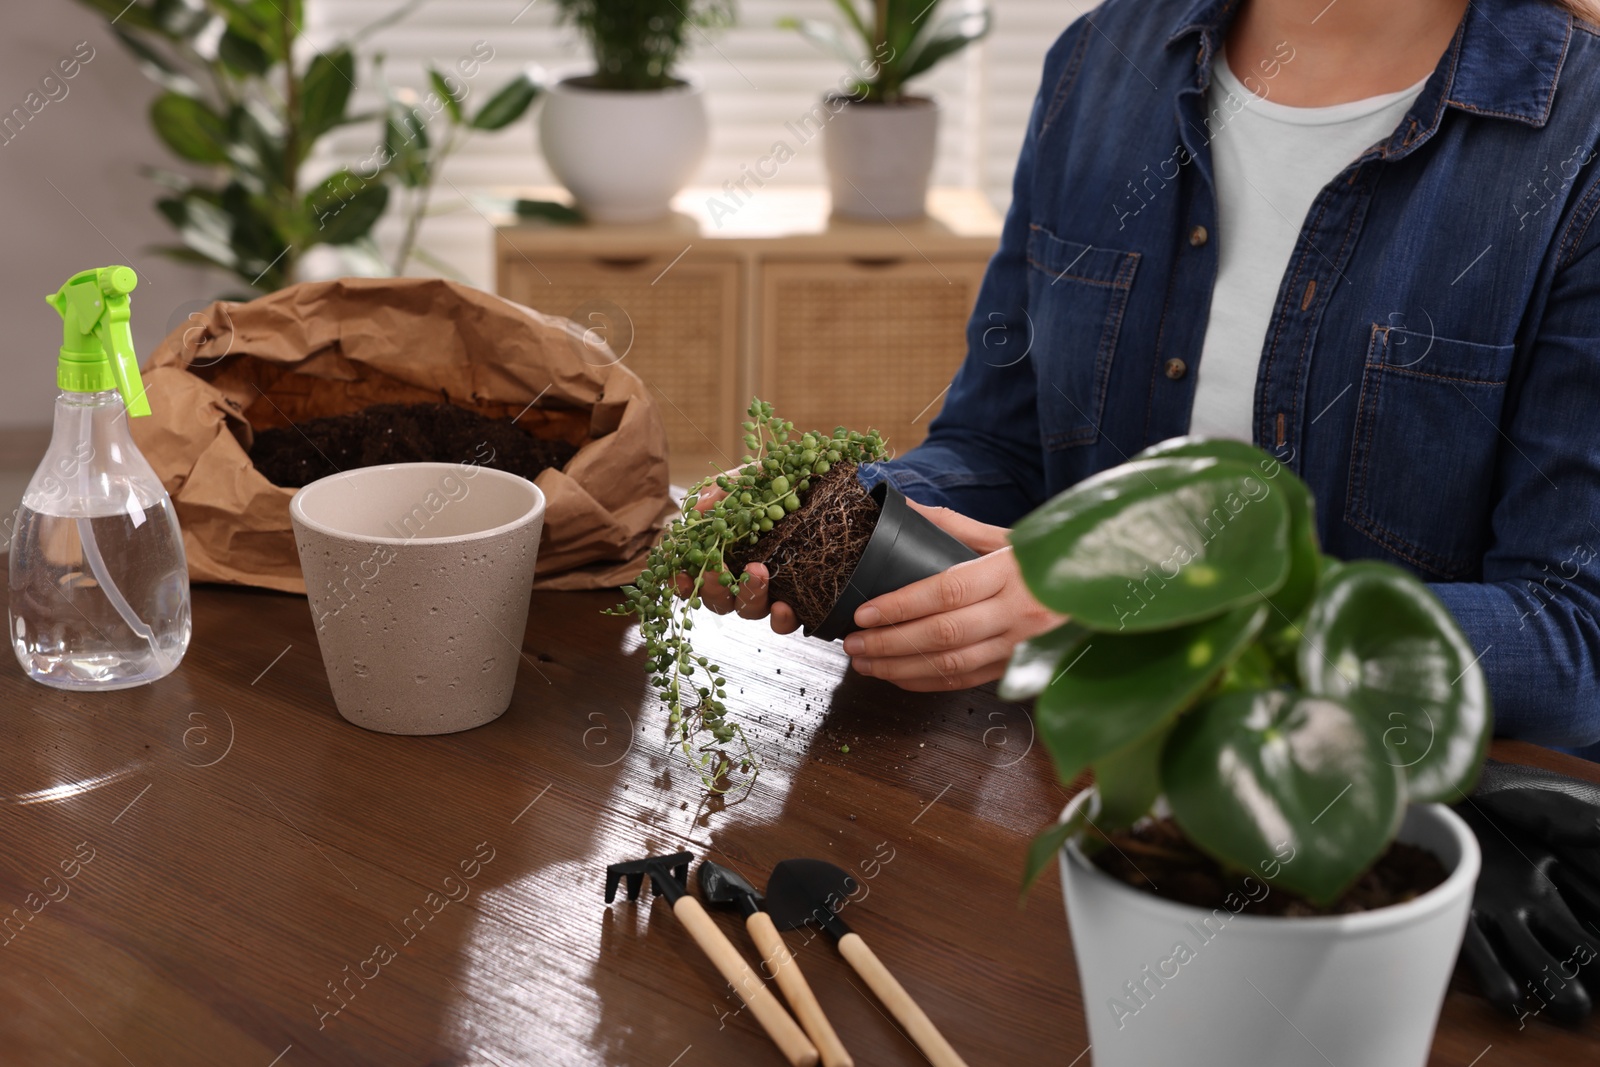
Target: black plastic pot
905	548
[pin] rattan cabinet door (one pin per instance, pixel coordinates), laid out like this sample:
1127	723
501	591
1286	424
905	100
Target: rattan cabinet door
675	324
865	344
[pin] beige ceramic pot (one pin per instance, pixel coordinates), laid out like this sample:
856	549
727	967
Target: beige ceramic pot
418	575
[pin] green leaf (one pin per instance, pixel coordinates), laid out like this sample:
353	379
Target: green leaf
344	207
273	25
181	19
848	9
255	147
1292	600
202	225
257	245
1124	686
452	103
1155	543
548	210
190	128
157	66
1378	640
405	143
826	37
243	55
324	94
1129	780
1042	850
949	37
507	105
1296	788
1034	662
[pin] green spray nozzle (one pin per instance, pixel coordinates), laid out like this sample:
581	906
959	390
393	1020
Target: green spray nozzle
96	342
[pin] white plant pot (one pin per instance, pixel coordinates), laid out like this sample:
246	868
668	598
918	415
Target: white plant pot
1361	989
623	155
418	576
880	157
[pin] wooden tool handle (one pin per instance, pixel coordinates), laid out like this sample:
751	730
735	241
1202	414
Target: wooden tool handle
899	1002
797	990
789	1038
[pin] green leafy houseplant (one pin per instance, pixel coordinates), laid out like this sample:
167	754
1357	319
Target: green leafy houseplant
770	486
637	43
239	100
1216	659
415	160
900	39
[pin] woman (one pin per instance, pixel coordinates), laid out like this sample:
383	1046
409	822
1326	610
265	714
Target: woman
1361	234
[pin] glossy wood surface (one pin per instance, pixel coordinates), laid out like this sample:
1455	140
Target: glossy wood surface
217	869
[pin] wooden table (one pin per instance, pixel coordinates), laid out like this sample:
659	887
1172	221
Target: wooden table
216	860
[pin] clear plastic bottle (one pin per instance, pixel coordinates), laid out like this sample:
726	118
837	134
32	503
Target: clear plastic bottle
99	585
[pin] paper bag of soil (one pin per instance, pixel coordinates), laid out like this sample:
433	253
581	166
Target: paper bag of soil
331	348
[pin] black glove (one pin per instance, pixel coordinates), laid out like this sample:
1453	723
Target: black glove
1533	941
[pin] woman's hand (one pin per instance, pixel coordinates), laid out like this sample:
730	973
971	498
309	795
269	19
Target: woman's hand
956	629
751	600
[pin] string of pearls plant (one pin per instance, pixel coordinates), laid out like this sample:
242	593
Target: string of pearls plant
770	486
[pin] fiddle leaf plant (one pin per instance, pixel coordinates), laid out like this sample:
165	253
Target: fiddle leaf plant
769	487
244	102
1216	660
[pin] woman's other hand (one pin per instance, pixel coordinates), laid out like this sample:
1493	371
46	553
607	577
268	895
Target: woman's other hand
956	629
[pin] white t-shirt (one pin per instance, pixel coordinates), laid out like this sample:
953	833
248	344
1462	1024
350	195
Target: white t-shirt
1270	161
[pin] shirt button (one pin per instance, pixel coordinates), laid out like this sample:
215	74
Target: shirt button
1176	368
1198	236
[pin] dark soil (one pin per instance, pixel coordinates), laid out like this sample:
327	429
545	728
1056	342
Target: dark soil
293	456
811	553
1159	859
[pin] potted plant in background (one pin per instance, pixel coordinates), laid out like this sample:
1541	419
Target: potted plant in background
1263	872
240	101
626	137
829	545
880	140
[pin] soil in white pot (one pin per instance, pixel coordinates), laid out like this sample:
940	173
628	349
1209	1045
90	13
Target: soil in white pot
1156	857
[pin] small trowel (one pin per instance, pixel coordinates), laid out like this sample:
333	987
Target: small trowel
719	885
802	891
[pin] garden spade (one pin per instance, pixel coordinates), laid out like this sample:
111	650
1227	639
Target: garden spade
719	885
802	891
667	875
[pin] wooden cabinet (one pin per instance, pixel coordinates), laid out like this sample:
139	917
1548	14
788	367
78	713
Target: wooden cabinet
836	323
679	331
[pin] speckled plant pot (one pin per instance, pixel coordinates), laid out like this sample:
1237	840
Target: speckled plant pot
418	575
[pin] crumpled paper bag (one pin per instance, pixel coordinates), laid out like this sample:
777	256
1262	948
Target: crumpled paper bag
328	348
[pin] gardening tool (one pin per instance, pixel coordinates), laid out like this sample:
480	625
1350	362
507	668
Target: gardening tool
719	885
668	875
802	891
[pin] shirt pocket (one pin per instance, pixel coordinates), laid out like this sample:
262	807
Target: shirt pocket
1077	295
1427	437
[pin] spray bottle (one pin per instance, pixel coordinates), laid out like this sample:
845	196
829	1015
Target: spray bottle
99	583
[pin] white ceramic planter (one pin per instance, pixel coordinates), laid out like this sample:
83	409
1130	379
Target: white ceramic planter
623	155
880	158
418	575
1249	991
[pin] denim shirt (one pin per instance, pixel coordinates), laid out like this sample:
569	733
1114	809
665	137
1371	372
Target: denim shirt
1432	365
